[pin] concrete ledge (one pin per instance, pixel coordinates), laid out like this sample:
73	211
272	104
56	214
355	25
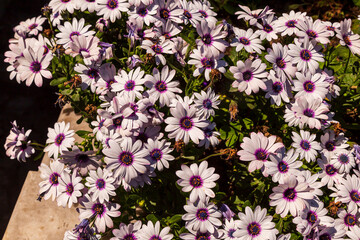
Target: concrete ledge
34	220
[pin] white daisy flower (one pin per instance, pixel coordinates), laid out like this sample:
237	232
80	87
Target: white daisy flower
85	46
151	232
328	174
204	8
257	149
212	38
161	85
331	144
205	62
60	138
287	23
68	30
206	102
69	189
107	74
249	40
197	179
185	124
256	225
201	216
343	161
127	232
33	25
33	66
84	5
311	217
313	183
354	233
249	75
306	55
89	75
111	9
230	227
157	49
50	187
101	185
63	5
315	30
305	145
129	83
199	236
348	191
126	159
282	62
159	153
100	211
293	195
308	84
282	165
145	13
333	233
252	16
277	90
268	29
168	10
347	37
191	13
306	111
348	219
210	136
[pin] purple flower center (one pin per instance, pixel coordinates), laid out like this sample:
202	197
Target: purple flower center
59	139
110	82
330	146
35	67
277	87
161	86
164	13
290	194
82	158
283	167
202	214
231	233
254	229
69	189
112	4
207	39
186	123
117	121
244	41
157	49
309	86
305	145
93	73
156	154
167	35
208	133
130	237
73	34
311	217
247	75
305	55
267	28
196	181
347	40
343	158
325	236
309	113
65	1
203	13
330	170
280	63
349	220
291	23
311	34
129	85
126	158
203	236
187	14
261	154
142	12
98	209
207	63
207	104
155	237
100	184
355	196
54	178
33	26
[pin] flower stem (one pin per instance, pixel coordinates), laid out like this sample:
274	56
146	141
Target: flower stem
212	155
348	60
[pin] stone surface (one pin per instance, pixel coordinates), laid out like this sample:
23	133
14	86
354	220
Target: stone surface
34	220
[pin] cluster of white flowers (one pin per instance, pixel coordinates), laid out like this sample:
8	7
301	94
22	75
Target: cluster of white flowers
143	111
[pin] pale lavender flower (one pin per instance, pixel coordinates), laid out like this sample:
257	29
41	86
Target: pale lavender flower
277	89
159	153
211	38
347	37
348	191
68	30
69	189
127	232
111	9
308	84
328	174
315	30
85	46
101	185
157	49
248	40
151	232
305	145
50	186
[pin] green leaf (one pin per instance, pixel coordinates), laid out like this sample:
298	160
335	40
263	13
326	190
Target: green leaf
152	217
39	156
67	92
76	97
58	81
175	218
82	133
